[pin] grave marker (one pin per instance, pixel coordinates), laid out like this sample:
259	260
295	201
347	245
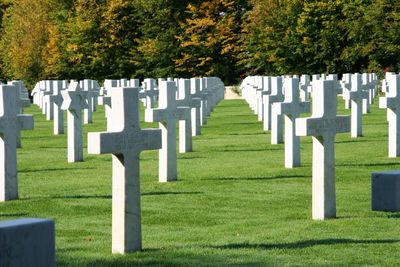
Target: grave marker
291	109
125	140
323	126
74	101
167	114
392	103
10	124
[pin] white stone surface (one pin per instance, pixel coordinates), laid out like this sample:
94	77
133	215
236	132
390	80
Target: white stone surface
291	108
167	114
274	123
125	140
196	114
10	124
185	126
58	122
356	96
392	103
74	101
27	242
323	126
275	96
151	92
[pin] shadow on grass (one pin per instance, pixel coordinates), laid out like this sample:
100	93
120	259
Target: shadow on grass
247	150
14	215
257	178
151	257
55	169
394	216
305	244
368	164
109	196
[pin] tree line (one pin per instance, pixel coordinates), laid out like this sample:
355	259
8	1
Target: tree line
100	39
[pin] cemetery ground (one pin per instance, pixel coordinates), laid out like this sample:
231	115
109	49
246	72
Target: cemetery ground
234	202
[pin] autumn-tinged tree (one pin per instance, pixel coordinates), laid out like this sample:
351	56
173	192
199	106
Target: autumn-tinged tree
209	40
24	37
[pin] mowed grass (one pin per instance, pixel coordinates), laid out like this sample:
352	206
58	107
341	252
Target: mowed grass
234	202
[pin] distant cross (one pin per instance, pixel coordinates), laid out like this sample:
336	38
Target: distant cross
10	124
291	109
125	140
392	103
58	126
185	126
323	126
48	100
356	96
74	100
151	93
275	119
167	114
196	112
274	96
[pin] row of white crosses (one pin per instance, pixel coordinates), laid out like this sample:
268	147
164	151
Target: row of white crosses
125	140
322	126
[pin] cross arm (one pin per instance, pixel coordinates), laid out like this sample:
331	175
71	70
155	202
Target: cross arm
25	122
104	143
151	139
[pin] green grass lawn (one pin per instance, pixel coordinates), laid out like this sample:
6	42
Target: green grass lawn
233	204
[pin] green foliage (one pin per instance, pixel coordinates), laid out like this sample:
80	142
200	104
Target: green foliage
209	40
75	39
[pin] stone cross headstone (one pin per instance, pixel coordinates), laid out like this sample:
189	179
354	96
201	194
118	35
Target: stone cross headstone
167	114
185	126
195	94
91	93
356	96
323	126
74	101
391	101
58	123
268	100
305	83
125	140
10	124
48	100
22	102
276	96
345	83
151	92
291	108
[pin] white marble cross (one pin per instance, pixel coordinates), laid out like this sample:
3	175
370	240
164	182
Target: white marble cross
167	114
58	123
87	85
48	100
195	94
305	83
74	101
22	102
323	126
185	126
151	92
291	109
10	124
275	96
125	140
356	96
391	101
